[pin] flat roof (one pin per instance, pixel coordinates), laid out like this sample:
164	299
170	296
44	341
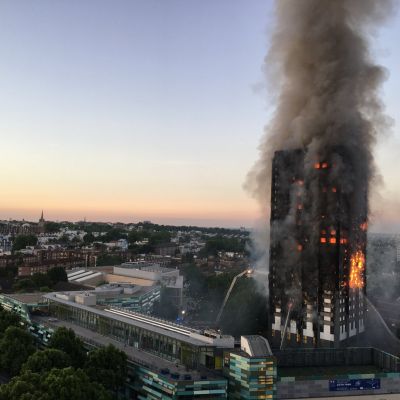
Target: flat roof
75	272
102	293
27	298
108	287
138	356
79	275
88	277
164	328
143	290
147	266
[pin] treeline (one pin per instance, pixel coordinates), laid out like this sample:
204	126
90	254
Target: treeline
185	228
43	282
51	227
153	236
220	243
21	241
246	310
64	370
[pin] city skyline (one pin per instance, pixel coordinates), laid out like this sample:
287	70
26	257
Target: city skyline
147	111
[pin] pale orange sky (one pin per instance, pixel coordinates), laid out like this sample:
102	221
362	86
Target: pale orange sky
147	111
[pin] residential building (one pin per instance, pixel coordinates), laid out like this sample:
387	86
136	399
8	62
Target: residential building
317	278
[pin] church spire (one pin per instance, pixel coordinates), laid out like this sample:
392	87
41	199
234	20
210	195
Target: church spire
41	218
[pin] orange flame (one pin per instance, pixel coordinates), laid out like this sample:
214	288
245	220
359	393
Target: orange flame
357	265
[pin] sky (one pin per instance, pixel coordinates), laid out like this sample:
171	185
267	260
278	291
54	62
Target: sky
134	110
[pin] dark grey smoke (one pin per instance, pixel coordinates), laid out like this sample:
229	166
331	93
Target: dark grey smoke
325	85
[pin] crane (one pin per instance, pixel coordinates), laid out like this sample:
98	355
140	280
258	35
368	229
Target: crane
228	293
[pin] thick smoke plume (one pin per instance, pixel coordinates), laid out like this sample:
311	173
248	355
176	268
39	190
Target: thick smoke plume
325	85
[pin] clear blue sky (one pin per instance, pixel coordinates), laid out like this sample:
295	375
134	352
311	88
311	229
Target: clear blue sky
142	109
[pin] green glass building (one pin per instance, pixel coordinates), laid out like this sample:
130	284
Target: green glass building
152	385
251	371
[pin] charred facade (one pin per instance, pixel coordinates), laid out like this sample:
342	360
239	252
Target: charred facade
317	275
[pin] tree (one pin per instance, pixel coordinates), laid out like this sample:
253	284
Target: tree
15	348
108	259
218	286
51	227
165	307
134	236
9	271
58	384
187	258
108	366
65	340
25	285
41	280
220	243
64	239
57	274
246	310
21	241
159	238
195	280
88	238
8	319
99	246
45	360
113	234
67	384
23	387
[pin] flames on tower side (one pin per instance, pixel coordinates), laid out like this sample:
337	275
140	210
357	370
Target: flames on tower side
357	270
316	165
318	250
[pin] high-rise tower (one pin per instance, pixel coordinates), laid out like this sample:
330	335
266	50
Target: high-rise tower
317	255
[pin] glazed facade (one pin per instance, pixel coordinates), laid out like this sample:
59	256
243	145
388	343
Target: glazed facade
168	347
250	377
152	385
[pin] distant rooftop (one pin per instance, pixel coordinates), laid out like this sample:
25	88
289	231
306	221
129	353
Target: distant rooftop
146	266
123	289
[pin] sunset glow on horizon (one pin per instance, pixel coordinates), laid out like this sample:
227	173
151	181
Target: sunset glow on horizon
147	111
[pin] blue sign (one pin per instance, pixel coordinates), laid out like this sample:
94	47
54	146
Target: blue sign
342	385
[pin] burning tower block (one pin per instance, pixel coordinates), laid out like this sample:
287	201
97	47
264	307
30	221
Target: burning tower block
317	275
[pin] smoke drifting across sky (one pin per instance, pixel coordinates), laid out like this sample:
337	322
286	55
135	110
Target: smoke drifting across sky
325	85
